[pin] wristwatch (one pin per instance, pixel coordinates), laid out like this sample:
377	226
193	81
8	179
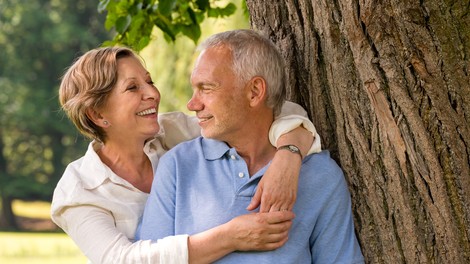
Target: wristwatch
291	148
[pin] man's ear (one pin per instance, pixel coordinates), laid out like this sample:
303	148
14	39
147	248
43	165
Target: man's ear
257	92
96	118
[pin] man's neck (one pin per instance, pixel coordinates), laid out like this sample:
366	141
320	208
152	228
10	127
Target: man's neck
257	158
254	146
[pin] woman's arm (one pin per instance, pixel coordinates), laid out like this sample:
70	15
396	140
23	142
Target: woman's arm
277	189
94	231
253	232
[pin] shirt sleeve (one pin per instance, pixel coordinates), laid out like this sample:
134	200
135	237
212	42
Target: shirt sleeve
292	116
94	232
176	127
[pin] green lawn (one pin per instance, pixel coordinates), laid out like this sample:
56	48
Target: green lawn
37	247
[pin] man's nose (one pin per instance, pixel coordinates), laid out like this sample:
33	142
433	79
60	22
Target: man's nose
194	104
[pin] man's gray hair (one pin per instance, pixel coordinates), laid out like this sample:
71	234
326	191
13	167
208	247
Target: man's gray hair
254	55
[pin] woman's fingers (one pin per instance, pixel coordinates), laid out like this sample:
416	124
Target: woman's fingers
278	216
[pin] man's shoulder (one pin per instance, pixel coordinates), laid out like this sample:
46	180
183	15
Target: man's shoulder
320	159
320	165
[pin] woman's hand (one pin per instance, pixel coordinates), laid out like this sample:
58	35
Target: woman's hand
277	190
250	232
260	231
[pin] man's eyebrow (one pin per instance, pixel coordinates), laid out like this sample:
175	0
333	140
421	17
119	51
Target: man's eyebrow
206	84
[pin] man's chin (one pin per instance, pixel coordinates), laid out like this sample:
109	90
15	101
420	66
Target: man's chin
209	134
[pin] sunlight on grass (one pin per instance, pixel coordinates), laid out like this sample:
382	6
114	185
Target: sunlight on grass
34	248
37	248
36	209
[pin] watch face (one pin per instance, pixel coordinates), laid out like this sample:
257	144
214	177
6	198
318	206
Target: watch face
293	148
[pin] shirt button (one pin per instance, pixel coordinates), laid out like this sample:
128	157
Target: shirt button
241	174
233	157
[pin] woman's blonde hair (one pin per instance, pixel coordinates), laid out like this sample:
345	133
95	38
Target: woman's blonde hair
87	84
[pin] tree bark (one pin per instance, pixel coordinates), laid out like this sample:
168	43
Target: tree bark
387	85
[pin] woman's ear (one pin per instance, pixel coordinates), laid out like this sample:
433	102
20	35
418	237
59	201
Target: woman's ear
257	92
96	118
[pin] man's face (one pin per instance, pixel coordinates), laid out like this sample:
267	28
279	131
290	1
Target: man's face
219	98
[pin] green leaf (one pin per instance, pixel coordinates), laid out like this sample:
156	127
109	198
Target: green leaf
108	43
123	23
192	31
103	5
143	42
165	25
166	6
222	12
202	4
192	15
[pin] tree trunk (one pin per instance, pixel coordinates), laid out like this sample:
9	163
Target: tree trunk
387	85
7	216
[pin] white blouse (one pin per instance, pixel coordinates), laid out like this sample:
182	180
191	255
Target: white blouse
100	211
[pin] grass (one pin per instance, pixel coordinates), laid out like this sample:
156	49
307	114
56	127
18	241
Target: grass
37	247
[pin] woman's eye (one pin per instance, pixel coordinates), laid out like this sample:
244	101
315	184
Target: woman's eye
130	88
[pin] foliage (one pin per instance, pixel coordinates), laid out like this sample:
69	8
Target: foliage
134	20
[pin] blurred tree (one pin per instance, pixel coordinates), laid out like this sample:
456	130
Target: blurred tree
37	41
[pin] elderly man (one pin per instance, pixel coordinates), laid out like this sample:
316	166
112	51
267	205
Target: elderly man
238	87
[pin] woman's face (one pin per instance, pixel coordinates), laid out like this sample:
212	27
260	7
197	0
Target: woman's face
132	107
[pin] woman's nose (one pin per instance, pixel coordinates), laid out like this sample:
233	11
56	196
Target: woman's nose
151	92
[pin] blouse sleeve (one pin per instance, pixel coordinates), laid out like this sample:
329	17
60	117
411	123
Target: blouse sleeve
93	230
177	127
292	116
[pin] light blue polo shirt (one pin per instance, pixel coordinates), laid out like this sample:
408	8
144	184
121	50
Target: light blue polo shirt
204	183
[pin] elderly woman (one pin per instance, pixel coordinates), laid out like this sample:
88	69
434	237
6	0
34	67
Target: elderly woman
111	98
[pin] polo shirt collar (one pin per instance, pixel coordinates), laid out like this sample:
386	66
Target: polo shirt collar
213	149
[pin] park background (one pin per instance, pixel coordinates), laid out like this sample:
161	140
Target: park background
38	40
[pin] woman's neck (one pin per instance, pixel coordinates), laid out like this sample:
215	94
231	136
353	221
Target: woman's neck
129	162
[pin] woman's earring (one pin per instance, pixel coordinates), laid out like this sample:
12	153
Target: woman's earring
105	122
